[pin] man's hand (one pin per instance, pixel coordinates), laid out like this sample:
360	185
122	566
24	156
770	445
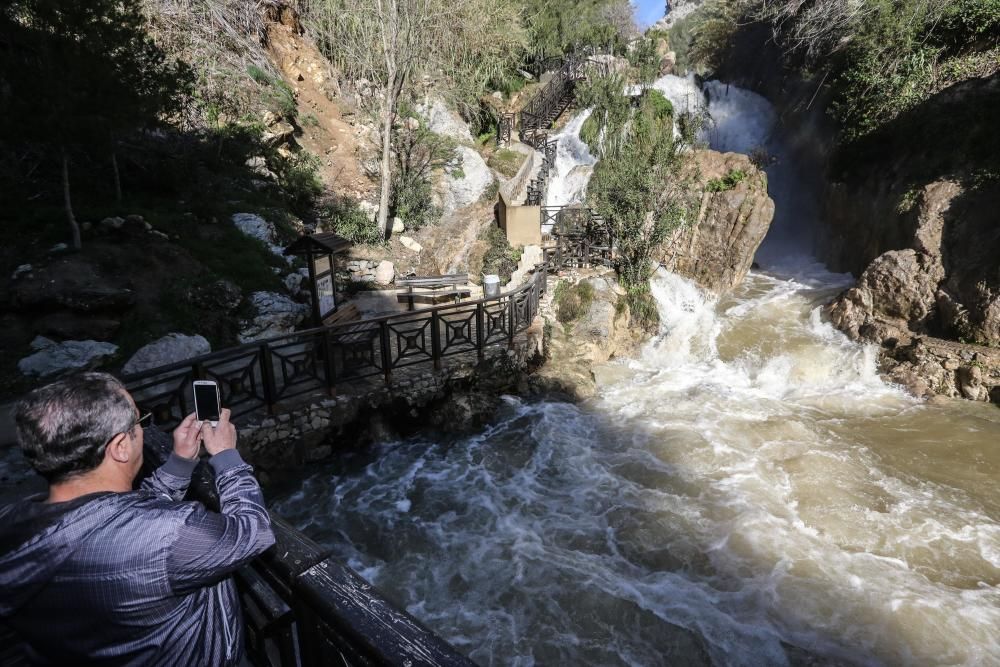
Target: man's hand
187	438
219	438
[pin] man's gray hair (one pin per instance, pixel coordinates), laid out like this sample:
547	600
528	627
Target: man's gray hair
64	427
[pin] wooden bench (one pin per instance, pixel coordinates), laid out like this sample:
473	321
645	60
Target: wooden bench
342	315
435	288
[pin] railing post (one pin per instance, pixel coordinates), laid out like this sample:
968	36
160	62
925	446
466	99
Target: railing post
480	323
511	311
267	371
328	365
386	352
435	340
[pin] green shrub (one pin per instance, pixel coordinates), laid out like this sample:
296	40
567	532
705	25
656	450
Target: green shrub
733	178
642	307
500	258
572	301
299	179
660	106
280	96
349	221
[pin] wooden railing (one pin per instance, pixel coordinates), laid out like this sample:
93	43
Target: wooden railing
262	374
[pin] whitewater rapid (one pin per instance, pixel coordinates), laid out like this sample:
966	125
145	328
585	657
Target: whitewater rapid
746	491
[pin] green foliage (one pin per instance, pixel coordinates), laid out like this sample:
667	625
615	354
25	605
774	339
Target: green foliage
310	119
661	107
298	177
418	152
732	178
711	31
501	258
506	161
279	96
642	307
639	185
349	221
645	61
564	26
572	301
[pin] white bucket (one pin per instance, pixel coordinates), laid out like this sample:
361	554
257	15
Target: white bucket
491	285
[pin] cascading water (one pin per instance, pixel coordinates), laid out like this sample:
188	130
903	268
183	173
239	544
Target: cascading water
573	166
746	492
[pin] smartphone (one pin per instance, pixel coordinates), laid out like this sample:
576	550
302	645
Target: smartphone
207	406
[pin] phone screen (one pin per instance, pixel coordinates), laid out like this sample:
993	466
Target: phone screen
206	402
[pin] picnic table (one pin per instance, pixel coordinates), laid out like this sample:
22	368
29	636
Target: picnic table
432	289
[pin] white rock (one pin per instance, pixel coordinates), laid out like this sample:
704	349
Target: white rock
257	227
397	226
293	282
21	270
442	120
410	244
52	358
170	349
369	208
475	178
385	272
112	223
276	315
59	247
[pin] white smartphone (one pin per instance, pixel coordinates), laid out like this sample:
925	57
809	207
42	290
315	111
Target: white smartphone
207	406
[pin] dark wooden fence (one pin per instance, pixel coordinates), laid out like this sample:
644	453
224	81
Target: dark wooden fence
262	374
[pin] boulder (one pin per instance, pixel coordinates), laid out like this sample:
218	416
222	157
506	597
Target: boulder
68	326
112	223
293	283
275	314
221	295
257	227
51	358
170	349
717	250
278	134
20	271
397	226
444	121
385	272
410	244
466	185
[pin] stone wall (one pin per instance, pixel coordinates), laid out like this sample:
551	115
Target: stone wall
461	395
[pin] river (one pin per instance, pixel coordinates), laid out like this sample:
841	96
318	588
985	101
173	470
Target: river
747	491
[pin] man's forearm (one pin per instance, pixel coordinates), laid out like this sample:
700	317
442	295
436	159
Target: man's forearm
172	478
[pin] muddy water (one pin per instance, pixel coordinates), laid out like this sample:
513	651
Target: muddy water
747	492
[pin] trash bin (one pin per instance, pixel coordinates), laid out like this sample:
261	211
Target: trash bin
491	285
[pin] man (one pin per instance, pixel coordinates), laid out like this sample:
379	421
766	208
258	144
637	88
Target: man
96	573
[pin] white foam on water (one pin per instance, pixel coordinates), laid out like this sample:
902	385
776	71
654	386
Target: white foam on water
574	165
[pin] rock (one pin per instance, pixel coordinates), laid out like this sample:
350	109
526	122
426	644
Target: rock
473	179
112	223
385	272
258	166
67	326
369	208
57	248
257	227
70	283
397	226
411	123
970	383
293	282
528	76
269	118
221	295
170	349
20	271
53	358
718	249
278	134
276	314
410	244
444	121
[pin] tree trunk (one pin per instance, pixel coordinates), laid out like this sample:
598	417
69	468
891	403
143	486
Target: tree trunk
385	172
68	202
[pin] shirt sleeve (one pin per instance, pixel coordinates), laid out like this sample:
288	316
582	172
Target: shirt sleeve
172	478
210	545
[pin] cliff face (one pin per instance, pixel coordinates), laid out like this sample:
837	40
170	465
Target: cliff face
718	249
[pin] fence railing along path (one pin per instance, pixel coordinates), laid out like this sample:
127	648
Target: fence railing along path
262	374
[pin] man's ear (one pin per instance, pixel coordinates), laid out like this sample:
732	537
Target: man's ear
118	449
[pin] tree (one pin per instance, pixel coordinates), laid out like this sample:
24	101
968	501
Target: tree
75	74
409	47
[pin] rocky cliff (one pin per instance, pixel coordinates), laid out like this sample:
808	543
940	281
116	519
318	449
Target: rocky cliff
717	250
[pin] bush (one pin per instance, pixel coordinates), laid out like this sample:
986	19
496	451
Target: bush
352	223
500	258
642	307
506	161
727	182
280	97
298	177
572	301
660	106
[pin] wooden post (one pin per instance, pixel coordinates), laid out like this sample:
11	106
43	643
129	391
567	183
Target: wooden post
267	373
386	353
435	340
511	314
314	288
480	323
